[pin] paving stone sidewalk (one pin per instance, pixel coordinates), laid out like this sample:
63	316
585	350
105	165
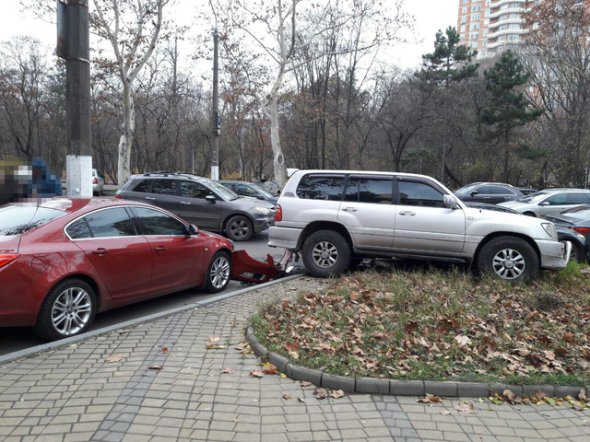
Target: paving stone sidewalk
103	389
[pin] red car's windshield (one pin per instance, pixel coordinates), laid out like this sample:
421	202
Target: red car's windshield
17	219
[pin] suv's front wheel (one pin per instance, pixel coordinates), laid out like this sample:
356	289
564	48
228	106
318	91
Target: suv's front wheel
326	253
509	258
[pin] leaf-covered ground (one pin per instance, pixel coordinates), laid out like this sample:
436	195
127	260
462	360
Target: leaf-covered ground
439	325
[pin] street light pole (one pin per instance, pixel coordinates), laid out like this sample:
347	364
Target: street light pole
215	117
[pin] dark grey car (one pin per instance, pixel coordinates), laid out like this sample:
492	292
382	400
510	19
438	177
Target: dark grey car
202	202
253	190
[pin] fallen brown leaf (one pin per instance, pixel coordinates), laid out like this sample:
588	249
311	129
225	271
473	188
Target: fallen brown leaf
320	393
114	358
430	399
155	367
164	349
305	384
213	343
336	394
465	408
269	368
286	396
228	370
257	373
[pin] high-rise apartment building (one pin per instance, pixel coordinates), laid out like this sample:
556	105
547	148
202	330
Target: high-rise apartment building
491	25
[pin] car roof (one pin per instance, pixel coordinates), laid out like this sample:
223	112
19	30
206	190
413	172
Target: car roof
173	175
71	205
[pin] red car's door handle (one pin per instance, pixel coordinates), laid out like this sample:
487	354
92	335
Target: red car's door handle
100	251
161	249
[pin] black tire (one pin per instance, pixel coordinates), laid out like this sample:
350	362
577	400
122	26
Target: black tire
326	253
218	273
577	254
239	228
68	310
509	258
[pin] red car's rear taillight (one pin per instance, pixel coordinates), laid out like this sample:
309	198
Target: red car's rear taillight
581	230
117	196
278	214
7	258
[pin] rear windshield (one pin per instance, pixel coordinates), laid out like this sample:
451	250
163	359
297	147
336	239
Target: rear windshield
16	220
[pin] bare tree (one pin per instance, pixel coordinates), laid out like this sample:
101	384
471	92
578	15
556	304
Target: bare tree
133	29
275	26
23	71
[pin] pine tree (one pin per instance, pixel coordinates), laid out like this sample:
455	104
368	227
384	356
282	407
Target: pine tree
508	108
450	63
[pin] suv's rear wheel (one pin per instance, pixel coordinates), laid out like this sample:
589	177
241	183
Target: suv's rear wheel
326	253
239	228
509	258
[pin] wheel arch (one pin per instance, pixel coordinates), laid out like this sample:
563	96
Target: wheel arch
83	277
324	225
495	235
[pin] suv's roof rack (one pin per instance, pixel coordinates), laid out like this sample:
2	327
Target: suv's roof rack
165	173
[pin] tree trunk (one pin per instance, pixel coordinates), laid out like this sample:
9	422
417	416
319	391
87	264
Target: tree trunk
280	170
126	140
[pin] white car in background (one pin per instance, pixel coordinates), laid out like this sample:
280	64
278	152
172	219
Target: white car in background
549	201
97	183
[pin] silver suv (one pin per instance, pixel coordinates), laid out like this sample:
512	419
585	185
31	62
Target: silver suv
201	201
337	218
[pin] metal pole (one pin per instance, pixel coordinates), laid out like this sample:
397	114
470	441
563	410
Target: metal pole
215	119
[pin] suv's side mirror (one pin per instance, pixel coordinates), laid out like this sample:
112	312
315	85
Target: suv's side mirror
211	198
475	192
451	202
193	230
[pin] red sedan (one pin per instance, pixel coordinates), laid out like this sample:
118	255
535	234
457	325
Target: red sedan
64	260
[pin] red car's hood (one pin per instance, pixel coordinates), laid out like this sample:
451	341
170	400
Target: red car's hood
9	244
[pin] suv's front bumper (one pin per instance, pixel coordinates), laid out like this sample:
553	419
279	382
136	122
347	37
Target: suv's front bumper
554	255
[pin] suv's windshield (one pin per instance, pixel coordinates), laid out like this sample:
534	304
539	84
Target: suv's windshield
16	220
467	189
534	197
222	191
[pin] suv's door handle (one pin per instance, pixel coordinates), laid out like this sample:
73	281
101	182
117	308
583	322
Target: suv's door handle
151	198
100	251
407	213
350	209
160	249
186	203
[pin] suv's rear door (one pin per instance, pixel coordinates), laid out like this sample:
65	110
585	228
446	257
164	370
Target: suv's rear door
195	209
367	210
422	224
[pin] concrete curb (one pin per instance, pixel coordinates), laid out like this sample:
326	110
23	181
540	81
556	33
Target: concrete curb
366	385
27	353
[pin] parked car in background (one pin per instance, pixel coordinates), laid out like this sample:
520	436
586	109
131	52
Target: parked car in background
337	218
580	244
253	190
200	201
64	260
491	193
549	201
97	183
577	221
527	190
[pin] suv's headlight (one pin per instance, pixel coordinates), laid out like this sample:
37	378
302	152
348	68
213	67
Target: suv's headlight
263	210
550	229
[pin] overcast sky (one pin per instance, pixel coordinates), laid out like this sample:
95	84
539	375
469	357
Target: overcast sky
431	15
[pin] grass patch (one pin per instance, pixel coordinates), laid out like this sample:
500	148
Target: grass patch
439	325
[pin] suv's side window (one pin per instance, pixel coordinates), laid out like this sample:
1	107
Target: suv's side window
376	190
413	193
164	187
193	190
143	186
321	187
